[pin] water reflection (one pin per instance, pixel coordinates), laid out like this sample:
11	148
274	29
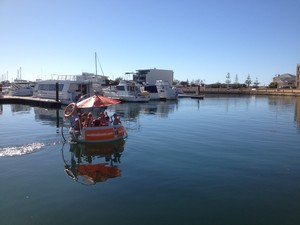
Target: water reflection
20	108
282	102
48	114
93	163
297	112
131	110
161	108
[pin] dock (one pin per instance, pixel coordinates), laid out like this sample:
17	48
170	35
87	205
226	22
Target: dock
191	96
38	102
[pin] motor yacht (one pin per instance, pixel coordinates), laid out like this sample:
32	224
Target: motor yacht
127	91
70	88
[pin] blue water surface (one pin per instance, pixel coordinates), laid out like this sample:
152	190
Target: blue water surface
221	160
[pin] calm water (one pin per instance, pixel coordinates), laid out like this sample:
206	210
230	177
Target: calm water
222	160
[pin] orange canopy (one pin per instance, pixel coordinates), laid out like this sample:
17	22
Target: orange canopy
96	101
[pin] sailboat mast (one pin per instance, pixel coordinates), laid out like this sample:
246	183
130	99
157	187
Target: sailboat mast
96	62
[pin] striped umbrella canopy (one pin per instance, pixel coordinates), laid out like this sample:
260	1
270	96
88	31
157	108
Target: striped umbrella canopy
96	101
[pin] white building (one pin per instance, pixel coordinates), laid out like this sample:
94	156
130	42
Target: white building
150	76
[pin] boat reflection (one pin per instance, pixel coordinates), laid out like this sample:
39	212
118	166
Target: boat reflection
43	114
21	109
131	111
92	163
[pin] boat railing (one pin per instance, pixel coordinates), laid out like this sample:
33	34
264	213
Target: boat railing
64	77
84	77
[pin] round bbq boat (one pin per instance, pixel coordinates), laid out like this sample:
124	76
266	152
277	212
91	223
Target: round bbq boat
98	134
94	131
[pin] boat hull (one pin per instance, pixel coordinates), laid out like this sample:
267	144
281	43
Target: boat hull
126	97
98	134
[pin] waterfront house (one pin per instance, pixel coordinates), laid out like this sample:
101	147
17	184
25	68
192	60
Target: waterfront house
285	80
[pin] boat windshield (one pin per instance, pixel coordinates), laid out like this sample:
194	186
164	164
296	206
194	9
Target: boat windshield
121	88
151	89
49	87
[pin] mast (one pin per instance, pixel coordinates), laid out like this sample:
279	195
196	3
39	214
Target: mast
96	62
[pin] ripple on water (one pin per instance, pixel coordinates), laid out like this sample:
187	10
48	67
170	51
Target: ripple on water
20	150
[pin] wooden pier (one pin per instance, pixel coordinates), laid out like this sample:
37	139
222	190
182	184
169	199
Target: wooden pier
39	102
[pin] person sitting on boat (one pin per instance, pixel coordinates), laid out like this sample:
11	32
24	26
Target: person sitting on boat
79	117
116	119
96	122
102	119
84	117
77	124
107	118
88	120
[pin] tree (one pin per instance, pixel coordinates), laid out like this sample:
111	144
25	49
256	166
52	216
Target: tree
216	85
228	81
273	85
248	82
114	82
184	83
236	79
256	83
195	82
176	82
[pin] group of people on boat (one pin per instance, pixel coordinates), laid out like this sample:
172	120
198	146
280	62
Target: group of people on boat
86	119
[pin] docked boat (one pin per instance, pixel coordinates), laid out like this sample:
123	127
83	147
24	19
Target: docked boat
162	90
69	87
21	88
166	91
88	123
152	90
127	91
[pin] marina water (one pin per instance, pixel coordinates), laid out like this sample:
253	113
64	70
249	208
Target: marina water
222	160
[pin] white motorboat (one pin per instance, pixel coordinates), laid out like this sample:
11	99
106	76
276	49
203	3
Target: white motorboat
162	90
127	91
166	91
152	90
70	87
21	88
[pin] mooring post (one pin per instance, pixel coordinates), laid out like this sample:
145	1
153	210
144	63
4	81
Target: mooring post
56	88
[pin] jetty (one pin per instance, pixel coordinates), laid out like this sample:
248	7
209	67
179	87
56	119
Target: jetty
195	96
38	102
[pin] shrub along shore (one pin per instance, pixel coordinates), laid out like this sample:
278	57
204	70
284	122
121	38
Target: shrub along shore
242	91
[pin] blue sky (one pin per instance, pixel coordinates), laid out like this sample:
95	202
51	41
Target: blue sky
194	38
